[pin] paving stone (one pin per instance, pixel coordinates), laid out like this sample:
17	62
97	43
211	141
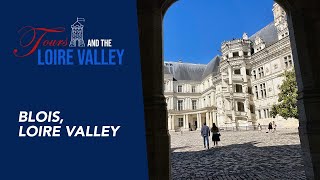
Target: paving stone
240	155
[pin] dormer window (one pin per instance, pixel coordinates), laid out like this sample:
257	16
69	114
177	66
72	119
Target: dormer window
259	44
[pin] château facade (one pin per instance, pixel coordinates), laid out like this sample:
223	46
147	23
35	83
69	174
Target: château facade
235	89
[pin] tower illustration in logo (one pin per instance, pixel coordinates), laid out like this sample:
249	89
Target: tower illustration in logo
77	33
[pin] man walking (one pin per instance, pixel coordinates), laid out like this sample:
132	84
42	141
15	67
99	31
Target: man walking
205	133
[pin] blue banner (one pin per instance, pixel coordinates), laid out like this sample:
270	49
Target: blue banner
71	91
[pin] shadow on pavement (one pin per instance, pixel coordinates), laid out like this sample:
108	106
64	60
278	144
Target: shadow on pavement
269	162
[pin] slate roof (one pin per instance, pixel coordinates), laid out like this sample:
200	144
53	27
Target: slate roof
212	67
185	71
191	72
268	34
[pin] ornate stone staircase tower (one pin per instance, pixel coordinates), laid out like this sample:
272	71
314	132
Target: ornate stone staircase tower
235	69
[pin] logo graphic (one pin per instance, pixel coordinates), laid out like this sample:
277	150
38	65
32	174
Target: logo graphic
54	48
77	34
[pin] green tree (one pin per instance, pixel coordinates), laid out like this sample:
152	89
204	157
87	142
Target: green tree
287	106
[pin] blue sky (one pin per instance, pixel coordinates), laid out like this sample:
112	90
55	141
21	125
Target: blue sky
194	29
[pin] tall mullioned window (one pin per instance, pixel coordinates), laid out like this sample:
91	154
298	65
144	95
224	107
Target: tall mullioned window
260	72
179	88
288	61
193	89
194	104
254	74
180	122
267	114
257	92
263	90
180	105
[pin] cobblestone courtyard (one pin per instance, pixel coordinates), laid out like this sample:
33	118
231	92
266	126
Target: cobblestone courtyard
241	155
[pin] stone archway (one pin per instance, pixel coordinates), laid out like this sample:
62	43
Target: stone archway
304	25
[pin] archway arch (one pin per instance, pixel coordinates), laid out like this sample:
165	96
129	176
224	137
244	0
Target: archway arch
303	20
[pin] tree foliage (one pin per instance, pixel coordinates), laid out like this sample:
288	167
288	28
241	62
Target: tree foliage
287	101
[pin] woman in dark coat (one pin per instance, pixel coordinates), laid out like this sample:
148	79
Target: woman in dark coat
215	134
270	127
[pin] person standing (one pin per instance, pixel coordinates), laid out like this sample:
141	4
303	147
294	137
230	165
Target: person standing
259	127
205	133
215	134
270	127
274	126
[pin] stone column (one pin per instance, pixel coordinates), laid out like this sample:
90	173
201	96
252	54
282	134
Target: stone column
186	122
207	119
199	121
230	74
304	28
169	122
150	16
247	109
173	119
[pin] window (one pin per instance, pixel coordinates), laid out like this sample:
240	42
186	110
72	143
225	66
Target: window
248	72
237	71
180	121
288	61
180	105
254	75
252	109
263	90
194	104
257	92
260	72
238	88
265	113
193	89
250	90
179	88
259	113
240	106
235	54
